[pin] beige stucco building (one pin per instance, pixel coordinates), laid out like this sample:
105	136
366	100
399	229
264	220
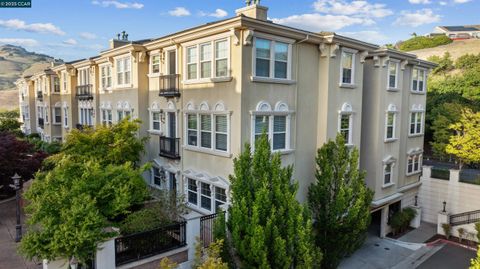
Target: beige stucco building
204	92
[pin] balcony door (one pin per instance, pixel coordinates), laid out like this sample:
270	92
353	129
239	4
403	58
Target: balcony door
172	125
172	62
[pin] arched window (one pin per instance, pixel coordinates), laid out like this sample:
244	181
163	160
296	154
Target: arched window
345	123
390	123
276	124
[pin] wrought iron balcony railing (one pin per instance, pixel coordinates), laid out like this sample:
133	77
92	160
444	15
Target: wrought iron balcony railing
84	92
170	147
169	85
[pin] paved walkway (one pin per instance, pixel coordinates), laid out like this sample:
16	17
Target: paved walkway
421	234
9	258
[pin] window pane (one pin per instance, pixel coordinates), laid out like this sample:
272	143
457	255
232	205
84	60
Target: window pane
206	69
192	71
279	123
206	196
347	60
280	69
262	47
261	124
281	52
221	142
221	49
222	68
262	68
191	55
206	122
205	52
206	127
221	124
192	191
192	121
347	75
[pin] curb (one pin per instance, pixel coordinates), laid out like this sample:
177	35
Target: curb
444	241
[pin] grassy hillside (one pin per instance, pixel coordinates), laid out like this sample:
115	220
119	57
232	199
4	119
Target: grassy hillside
456	49
15	60
422	42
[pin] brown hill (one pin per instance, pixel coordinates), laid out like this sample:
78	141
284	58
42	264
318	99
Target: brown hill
456	49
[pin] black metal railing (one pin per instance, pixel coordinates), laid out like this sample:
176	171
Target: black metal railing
170	147
440	173
40	96
142	245
169	85
465	218
41	122
471	176
207	224
84	92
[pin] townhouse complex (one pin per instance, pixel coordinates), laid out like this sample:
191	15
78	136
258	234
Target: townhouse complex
204	92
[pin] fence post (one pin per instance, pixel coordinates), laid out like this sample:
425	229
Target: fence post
105	256
454	176
193	231
443	217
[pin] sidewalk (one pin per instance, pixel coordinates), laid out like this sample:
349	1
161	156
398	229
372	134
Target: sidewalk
421	234
9	258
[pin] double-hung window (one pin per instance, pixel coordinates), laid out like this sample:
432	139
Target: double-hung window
393	75
347	71
387	173
274	123
206	196
279	132
155	64
418	80
416	123
272	59
192	62
207	60
107	117
414	163
221	132
57	114
345	127
106	77
192	191
46	114
206	131
123	71
192	128
156	121
64	80
390	122
56	85
220	197
261	125
159	178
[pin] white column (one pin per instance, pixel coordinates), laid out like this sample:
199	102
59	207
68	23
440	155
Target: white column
105	256
443	217
57	264
383	222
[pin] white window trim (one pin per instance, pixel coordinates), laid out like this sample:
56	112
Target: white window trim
213	78
65	117
422	124
346	109
391	109
103	89
212	185
272	78
167	59
271	114
150	64
415	156
417	90
391	183
64	82
115	60
354	56
83	77
54	122
397	75
198	147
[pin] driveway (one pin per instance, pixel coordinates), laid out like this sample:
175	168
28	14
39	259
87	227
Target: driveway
9	258
449	256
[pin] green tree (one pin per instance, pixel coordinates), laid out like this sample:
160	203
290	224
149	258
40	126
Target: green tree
475	263
71	205
446	115
444	64
340	202
423	42
269	228
465	144
9	122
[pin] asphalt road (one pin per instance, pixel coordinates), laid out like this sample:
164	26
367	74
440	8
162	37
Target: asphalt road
449	257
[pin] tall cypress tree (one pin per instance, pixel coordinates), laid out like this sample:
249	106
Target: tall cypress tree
339	201
269	228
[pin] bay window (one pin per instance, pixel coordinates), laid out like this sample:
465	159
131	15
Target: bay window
220	197
272	59
204	195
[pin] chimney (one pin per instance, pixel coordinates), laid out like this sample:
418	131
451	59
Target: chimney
122	39
254	10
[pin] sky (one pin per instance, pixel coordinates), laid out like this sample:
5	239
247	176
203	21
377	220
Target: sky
75	29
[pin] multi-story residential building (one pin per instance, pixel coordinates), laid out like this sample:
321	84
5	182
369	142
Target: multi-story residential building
26	96
204	92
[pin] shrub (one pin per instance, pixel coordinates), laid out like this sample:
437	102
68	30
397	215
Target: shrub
400	221
423	42
468	61
447	229
461	233
477	228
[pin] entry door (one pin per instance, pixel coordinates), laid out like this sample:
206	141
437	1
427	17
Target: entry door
172	62
172	125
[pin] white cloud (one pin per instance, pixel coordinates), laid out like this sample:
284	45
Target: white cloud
461	1
88	36
317	22
119	5
44	28
179	12
70	41
443	3
354	8
419	1
219	13
368	36
19	41
417	18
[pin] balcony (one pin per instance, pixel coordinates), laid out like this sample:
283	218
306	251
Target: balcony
170	147
40	96
169	85
41	123
84	92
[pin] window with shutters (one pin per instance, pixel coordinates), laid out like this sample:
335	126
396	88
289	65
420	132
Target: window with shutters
208	131
275	123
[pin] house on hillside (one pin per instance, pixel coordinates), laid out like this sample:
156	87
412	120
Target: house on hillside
458	32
